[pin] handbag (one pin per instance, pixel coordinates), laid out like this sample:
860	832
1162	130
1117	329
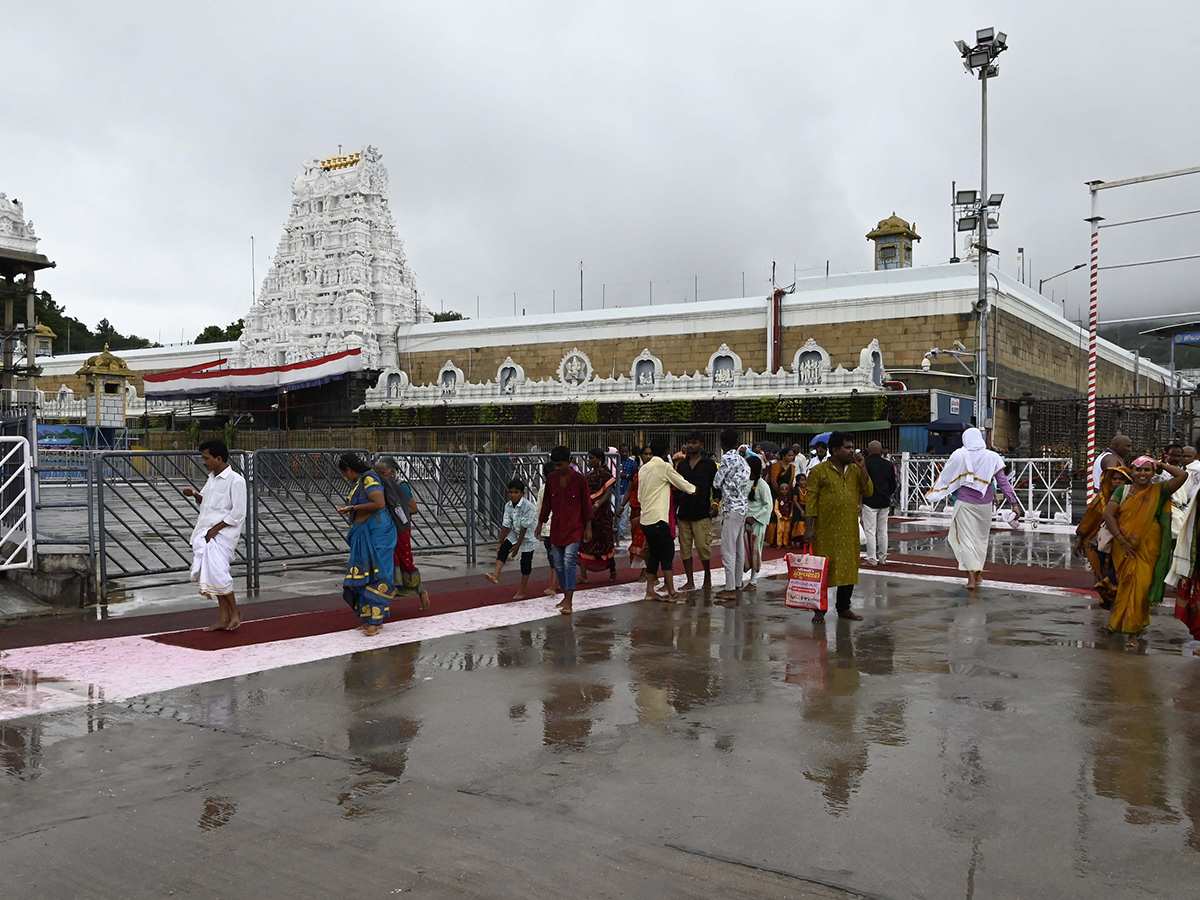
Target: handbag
1104	539
808	582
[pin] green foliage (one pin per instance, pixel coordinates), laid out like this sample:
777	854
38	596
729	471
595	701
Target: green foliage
73	336
194	432
228	433
215	334
904	407
588	413
449	316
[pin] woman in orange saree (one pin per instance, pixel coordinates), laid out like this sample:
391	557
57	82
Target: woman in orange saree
1099	560
1139	517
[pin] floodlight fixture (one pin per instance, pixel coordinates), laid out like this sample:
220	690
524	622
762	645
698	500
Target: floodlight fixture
995	200
968	223
1002	40
978	58
991	71
984	35
962	47
993	222
966	198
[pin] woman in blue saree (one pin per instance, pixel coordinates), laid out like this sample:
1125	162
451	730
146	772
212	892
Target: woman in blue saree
369	582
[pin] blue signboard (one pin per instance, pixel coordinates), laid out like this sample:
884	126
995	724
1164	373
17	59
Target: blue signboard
1188	337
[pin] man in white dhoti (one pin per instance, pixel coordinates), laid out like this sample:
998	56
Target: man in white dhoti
218	529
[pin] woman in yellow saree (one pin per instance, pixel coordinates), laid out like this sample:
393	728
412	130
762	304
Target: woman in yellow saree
1088	531
1139	517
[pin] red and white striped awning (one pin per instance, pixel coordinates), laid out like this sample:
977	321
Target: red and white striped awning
213	378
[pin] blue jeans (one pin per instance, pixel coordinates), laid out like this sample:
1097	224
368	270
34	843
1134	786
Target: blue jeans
563	560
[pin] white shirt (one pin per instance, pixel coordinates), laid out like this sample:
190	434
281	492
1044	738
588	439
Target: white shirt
223	499
1097	472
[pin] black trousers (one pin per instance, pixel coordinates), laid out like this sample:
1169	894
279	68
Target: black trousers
844	593
660	547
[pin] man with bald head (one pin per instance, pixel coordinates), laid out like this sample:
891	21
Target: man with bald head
1119	452
875	508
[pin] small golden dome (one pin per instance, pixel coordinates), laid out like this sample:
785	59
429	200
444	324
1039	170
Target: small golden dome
893	224
105	364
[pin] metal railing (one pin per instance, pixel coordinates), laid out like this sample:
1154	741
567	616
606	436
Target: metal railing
16	504
143	522
1043	486
292	514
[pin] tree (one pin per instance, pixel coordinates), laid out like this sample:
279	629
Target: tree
215	334
449	316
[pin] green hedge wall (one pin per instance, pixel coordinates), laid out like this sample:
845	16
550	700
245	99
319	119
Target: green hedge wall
896	408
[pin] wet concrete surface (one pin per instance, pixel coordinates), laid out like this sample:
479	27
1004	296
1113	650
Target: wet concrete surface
946	747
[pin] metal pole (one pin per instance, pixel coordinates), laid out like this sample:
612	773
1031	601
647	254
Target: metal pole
1092	323
581	285
982	417
1171	409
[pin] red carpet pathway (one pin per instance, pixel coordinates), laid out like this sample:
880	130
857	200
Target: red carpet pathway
307	616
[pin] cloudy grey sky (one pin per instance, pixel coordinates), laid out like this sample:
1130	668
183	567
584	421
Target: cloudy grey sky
652	141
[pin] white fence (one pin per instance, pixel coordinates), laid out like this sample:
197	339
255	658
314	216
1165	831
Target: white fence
1043	486
16	495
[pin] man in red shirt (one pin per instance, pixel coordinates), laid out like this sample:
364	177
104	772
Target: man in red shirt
569	498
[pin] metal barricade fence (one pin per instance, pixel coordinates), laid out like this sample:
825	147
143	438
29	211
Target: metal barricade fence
443	486
144	523
16	504
294	495
1042	485
66	483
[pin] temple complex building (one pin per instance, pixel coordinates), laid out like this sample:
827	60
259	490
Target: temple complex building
339	280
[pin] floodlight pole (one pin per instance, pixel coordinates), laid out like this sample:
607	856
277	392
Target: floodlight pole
982	408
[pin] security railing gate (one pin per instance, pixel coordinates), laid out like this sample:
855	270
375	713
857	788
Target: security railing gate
443	485
294	496
144	523
16	504
1042	485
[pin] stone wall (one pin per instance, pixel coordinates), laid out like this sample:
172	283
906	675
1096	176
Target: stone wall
680	354
1029	359
904	342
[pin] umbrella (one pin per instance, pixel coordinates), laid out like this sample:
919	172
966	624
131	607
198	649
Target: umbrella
769	446
947	424
822	438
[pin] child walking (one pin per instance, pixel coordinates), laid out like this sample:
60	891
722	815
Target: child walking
520	518
783	516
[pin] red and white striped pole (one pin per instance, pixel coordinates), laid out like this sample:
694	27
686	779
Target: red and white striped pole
1092	323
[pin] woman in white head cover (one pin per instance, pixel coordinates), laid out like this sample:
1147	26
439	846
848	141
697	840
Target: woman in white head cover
970	471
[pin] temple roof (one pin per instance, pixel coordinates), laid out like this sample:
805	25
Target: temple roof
105	364
893	224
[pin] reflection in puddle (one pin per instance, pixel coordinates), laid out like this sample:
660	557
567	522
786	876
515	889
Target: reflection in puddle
217	812
354	801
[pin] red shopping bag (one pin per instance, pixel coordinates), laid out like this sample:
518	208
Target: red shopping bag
808	582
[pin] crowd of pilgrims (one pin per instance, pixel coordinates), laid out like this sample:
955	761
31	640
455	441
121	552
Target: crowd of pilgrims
1138	533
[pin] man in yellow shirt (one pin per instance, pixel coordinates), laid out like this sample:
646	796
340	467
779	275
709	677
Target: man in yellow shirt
655	480
835	489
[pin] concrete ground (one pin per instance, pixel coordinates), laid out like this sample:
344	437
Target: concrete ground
948	746
994	746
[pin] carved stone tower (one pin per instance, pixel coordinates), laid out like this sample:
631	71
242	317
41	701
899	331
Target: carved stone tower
340	279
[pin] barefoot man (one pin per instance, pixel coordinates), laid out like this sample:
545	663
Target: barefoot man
218	528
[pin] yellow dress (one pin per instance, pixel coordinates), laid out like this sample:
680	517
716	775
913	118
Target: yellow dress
1141	514
833	500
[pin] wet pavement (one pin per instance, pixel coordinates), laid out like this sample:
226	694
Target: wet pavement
997	746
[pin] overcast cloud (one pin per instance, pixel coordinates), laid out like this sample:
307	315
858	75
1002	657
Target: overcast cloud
654	142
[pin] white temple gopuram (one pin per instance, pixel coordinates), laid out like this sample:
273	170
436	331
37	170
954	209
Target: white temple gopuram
339	280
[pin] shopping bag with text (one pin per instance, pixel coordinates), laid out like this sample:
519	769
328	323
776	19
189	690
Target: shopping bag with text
808	582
